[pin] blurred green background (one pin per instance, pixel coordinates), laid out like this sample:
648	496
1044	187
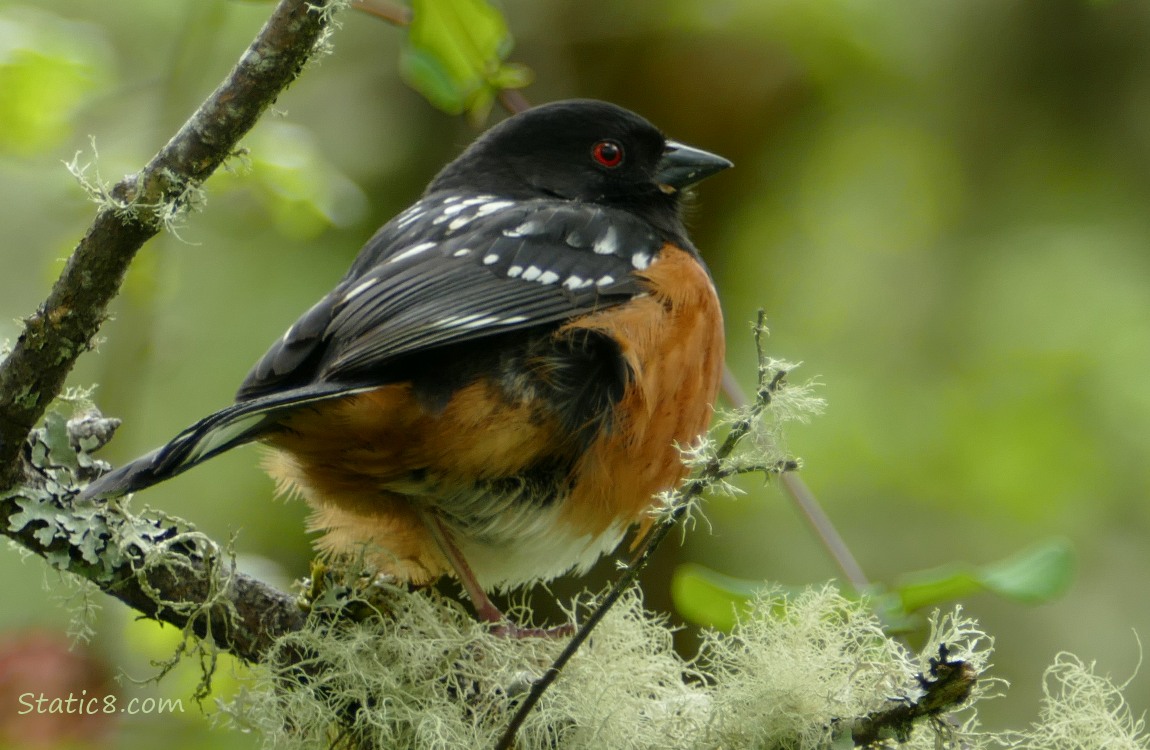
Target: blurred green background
943	207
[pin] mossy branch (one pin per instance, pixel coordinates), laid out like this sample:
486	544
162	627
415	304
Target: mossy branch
158	565
947	685
135	210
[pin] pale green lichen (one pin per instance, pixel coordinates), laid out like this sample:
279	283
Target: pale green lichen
105	535
80	599
752	441
329	18
1081	711
797	673
104	541
426	675
167	214
782	401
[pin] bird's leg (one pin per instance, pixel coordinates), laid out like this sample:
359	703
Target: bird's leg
485	609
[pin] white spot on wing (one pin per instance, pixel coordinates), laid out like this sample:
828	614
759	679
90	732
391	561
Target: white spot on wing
461	252
608	243
459	223
410	215
641	260
548	277
514	271
413	250
479	323
352	293
492	207
604	280
490	258
527	228
531	273
478	320
572	282
456	320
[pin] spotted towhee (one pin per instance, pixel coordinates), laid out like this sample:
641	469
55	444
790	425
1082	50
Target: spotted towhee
502	381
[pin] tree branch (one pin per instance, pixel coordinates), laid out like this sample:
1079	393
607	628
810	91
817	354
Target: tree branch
135	210
947	687
808	505
158	565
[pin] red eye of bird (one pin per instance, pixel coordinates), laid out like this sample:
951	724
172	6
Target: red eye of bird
608	153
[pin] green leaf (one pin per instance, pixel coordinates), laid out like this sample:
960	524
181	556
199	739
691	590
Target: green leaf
711	599
454	55
48	67
927	588
1034	575
424	74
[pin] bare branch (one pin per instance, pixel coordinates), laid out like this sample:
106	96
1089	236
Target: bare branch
135	210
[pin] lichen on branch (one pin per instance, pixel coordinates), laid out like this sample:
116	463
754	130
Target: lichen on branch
159	565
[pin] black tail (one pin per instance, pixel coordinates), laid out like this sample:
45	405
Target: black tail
228	428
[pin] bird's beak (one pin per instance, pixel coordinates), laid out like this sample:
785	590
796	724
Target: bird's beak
683	166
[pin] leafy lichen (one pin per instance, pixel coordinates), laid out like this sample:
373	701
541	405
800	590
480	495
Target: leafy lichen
104	542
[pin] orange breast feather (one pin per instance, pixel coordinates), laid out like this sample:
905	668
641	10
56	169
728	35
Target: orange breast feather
673	340
353	458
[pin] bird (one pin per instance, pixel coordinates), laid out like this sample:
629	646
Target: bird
502	382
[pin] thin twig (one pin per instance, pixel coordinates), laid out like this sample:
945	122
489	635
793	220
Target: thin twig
825	530
513	100
393	13
808	505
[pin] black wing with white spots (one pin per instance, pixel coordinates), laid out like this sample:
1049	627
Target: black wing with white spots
453	269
